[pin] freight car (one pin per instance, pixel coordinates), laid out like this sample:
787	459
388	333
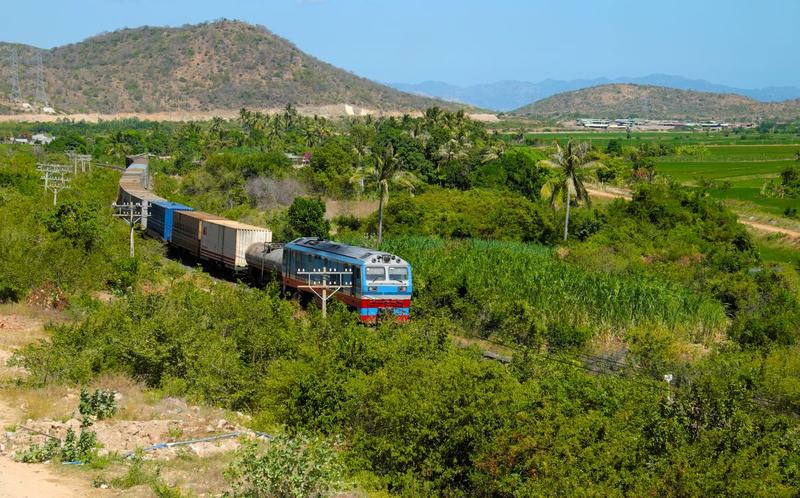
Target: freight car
370	281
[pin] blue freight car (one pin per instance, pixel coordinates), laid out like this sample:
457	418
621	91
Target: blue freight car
161	217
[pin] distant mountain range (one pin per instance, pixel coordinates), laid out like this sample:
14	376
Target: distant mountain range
509	95
655	102
210	66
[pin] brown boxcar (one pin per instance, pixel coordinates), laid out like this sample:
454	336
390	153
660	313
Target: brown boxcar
187	230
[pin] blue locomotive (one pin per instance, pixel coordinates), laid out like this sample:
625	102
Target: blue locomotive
370	281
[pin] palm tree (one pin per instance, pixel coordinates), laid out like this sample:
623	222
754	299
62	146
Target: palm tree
386	168
569	161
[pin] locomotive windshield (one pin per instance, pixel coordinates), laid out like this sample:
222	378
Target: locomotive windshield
398	274
376	273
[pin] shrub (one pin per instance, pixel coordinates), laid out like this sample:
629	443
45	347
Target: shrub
77	221
100	404
295	466
38	454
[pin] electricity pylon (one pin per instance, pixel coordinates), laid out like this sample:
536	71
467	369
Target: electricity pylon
41	95
16	93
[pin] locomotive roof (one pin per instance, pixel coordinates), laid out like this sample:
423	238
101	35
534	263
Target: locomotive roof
338	248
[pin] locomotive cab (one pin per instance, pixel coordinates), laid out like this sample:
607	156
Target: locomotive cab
373	282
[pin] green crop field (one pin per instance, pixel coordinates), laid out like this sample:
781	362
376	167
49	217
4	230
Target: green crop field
744	167
601	138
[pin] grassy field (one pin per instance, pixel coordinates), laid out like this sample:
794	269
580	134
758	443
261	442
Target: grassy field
601	138
744	167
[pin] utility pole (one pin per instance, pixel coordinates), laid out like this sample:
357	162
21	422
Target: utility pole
55	178
83	159
16	94
324	280
132	214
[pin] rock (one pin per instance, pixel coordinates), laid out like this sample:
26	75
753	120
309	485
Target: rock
222	423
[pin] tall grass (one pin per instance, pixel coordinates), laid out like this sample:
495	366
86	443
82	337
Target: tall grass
500	287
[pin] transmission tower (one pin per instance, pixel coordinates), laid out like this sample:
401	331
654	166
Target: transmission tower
16	94
41	95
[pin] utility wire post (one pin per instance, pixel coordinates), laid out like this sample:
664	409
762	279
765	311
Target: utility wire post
133	214
325	280
84	160
55	178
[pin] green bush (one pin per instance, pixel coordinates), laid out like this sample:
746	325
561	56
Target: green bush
38	454
296	466
100	404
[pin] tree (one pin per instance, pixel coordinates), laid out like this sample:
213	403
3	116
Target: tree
613	148
569	161
387	167
307	218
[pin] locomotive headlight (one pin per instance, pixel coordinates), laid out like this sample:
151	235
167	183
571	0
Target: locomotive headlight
373	288
402	288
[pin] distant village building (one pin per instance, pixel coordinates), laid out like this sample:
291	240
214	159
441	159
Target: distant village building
41	138
649	124
299	161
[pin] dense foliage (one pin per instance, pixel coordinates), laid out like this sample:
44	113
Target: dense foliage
422	417
667	282
53	252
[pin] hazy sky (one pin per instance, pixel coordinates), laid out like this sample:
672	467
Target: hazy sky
745	43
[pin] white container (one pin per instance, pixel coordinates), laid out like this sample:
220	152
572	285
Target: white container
227	241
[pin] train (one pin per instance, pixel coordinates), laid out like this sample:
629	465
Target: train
375	283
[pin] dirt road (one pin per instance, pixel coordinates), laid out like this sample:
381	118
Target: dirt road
614	193
772	229
22	480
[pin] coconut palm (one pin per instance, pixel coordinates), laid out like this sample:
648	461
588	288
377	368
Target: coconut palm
569	161
387	168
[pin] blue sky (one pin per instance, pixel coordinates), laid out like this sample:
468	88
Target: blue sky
745	43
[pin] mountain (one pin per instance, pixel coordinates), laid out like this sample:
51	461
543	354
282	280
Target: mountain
508	95
219	65
654	102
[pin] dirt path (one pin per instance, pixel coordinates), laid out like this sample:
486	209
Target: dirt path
613	193
22	480
772	229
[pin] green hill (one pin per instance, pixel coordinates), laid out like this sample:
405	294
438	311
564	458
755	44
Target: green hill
219	65
655	102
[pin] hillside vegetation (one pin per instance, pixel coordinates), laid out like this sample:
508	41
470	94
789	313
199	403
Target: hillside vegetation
655	102
667	282
219	65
